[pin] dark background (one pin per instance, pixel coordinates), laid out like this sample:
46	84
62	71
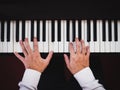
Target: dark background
105	66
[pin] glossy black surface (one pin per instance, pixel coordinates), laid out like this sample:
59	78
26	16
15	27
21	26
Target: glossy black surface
62	9
104	66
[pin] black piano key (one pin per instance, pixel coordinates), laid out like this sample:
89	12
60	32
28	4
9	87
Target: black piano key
73	31
32	30
23	30
17	31
53	31
79	30
104	31
109	31
95	31
2	31
38	31
44	30
68	31
116	31
8	31
88	31
59	30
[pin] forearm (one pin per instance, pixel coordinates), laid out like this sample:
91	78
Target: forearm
87	80
30	80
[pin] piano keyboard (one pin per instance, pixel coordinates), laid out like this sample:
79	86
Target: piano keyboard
103	36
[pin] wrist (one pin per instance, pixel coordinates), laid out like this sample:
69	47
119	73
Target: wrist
38	69
78	70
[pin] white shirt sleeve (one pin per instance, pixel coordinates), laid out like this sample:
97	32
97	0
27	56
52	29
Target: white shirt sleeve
84	77
87	80
30	80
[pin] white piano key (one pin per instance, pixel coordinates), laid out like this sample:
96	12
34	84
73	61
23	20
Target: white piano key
20	36
41	37
85	32
5	45
16	44
27	29
91	34
56	47
20	29
14	38
10	43
98	34
113	39
66	43
107	43
50	36
29	33
102	43
82	29
35	28
118	42
71	33
0	39
76	28
61	46
46	36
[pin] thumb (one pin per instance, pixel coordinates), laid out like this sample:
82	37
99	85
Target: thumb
67	60
49	56
88	51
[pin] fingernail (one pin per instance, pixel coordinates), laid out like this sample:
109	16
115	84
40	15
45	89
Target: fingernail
82	41
64	55
20	41
26	39
51	51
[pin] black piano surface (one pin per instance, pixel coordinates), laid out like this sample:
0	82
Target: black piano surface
62	9
105	66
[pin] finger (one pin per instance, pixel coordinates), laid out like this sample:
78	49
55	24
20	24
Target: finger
71	49
23	48
49	56
35	44
88	51
77	45
27	46
67	61
19	57
83	46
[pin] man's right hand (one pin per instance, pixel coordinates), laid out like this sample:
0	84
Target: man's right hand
79	59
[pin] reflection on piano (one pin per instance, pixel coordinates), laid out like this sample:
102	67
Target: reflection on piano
101	35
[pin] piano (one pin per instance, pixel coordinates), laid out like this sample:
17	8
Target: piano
55	24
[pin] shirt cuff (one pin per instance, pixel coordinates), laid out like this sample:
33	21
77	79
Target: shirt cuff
31	77
84	76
